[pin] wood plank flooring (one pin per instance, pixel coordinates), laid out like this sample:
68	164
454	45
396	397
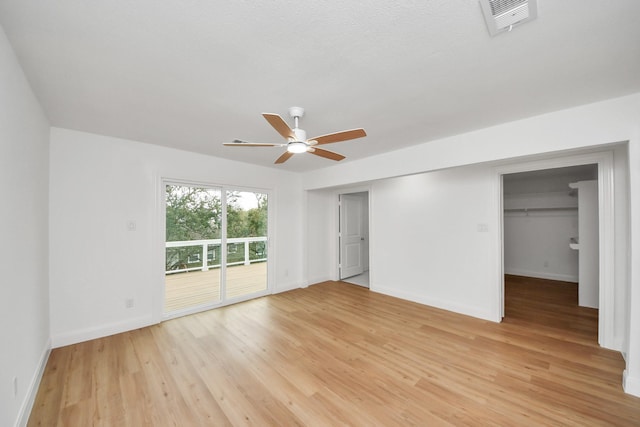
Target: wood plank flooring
338	354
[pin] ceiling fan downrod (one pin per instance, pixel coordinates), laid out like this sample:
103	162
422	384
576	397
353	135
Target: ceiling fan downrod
296	113
301	135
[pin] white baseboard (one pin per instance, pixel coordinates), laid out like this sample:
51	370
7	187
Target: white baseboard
34	385
618	346
285	287
87	334
543	275
631	385
445	305
318	279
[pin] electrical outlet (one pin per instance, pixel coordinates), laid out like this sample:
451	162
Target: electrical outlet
131	225
128	303
15	386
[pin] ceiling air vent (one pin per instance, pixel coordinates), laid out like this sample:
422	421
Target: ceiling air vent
503	15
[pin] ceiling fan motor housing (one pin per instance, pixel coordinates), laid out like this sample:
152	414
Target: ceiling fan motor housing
300	134
296	112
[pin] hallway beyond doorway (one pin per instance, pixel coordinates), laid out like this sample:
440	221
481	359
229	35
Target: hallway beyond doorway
360	279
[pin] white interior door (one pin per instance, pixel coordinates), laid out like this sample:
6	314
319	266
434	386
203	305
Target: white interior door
351	235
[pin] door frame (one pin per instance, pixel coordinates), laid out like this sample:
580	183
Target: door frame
159	290
344	238
351	190
606	232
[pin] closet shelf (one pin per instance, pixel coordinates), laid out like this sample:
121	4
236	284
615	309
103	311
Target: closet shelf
539	201
557	208
574	243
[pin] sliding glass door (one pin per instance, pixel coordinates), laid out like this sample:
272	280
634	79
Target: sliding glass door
246	271
215	247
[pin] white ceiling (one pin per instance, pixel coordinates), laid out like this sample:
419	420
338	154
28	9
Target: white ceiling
192	74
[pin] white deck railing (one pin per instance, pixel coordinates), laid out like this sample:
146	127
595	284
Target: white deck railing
204	261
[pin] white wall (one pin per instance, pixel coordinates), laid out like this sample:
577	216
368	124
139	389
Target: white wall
591	125
24	291
536	244
100	183
426	240
536	241
321	236
632	343
577	130
622	232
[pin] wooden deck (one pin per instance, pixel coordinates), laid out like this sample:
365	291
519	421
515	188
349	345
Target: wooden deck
184	290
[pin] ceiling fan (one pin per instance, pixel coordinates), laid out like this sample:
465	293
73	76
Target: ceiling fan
297	141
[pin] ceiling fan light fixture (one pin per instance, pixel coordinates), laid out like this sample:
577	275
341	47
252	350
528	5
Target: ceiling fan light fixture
297	147
297	141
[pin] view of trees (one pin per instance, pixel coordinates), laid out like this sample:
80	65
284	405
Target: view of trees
246	223
194	213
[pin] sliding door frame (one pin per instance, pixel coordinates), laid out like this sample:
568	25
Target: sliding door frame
159	289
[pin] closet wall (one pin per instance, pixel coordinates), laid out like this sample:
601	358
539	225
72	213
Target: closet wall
540	218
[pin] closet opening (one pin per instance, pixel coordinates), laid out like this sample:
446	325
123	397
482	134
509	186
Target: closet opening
551	248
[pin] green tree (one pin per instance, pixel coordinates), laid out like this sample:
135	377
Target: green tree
257	218
236	222
192	213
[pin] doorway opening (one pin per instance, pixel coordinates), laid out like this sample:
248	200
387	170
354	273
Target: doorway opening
606	232
550	244
353	236
215	247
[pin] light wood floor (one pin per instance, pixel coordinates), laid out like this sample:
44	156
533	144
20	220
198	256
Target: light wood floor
338	354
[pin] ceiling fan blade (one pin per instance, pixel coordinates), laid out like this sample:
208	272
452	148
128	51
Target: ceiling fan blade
250	144
279	125
285	156
325	153
345	135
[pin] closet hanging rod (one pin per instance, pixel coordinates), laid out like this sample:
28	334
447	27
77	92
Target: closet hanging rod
567	208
